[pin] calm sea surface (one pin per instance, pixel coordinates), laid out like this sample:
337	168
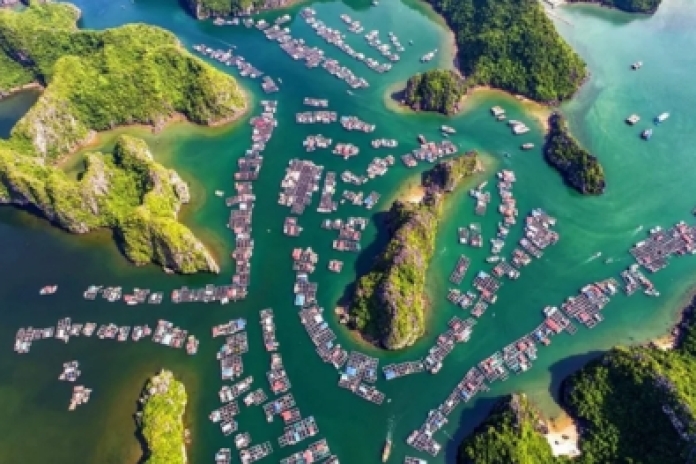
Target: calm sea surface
649	184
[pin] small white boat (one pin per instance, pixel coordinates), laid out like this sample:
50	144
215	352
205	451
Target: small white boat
661	118
219	193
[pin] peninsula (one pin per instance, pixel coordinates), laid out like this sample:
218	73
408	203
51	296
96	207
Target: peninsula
94	81
389	303
608	398
436	90
579	168
512	45
630	6
161	420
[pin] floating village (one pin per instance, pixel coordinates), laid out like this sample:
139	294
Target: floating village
359	373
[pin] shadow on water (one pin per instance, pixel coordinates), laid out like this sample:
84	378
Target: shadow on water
562	369
137	419
366	258
13	108
469	419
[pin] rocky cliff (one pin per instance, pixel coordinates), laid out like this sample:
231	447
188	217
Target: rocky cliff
436	90
126	191
512	433
390	301
203	9
94	81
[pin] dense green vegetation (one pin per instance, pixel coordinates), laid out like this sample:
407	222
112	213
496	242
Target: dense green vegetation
96	80
206	8
390	301
161	422
437	90
578	167
514	46
127	192
99	80
622	402
631	6
509	435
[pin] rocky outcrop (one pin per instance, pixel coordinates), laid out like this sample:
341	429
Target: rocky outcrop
203	9
436	90
390	301
511	433
127	192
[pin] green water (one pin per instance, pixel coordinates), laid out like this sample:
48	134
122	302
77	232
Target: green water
649	184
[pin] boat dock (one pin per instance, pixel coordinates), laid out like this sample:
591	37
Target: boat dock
394	371
353	123
653	252
223	456
460	269
167	334
269	330
243	440
326	201
298	432
312	142
291	228
316	102
255	453
430	152
301	181
278	406
277	377
229	328
231	393
255	398
314	453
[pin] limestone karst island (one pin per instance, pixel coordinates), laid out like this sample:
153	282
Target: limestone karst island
348	231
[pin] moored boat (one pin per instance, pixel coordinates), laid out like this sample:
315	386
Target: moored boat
661	118
48	290
646	134
527	146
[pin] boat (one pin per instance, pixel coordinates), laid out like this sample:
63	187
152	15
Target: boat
661	118
447	129
48	290
493	259
527	146
637	65
421	139
219	193
646	134
387	450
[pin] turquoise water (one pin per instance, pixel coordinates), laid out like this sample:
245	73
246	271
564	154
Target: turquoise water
648	184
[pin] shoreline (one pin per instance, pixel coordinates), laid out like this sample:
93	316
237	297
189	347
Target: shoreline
95	138
22	88
472	99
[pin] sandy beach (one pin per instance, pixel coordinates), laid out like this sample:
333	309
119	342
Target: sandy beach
563	436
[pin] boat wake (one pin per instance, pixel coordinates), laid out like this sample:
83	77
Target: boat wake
593	257
637	229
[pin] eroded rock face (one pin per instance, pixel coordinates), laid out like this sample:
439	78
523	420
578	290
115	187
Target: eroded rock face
127	192
390	301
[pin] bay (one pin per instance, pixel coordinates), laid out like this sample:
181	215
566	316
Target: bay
648	184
